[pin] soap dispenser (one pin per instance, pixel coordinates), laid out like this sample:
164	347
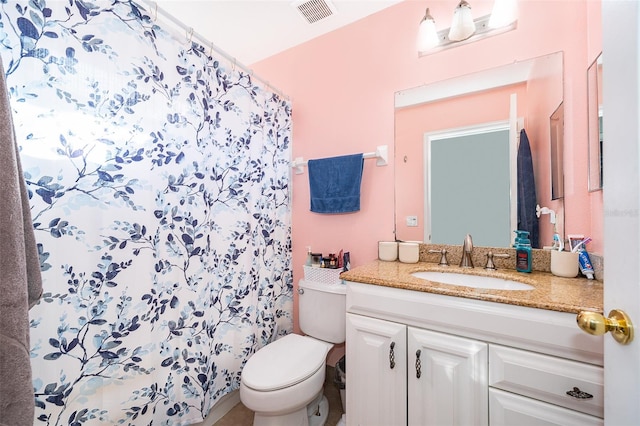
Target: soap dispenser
523	251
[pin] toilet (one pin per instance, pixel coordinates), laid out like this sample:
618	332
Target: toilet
282	382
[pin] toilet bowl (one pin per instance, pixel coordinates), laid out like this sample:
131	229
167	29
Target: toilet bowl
282	378
282	382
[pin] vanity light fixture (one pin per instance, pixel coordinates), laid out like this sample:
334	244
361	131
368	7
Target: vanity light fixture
464	28
427	33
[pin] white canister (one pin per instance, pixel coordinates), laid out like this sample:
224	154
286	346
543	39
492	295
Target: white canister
409	252
564	264
388	251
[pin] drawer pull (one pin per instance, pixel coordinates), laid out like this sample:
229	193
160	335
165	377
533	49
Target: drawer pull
577	393
418	364
392	356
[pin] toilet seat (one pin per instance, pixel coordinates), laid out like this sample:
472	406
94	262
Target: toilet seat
284	363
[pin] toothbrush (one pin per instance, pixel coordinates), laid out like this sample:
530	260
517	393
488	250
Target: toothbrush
581	243
556	237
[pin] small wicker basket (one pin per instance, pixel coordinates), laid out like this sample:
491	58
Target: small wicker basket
322	275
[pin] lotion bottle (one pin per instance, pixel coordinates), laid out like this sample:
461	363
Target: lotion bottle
523	251
309	261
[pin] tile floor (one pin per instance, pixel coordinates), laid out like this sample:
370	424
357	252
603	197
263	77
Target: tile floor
242	416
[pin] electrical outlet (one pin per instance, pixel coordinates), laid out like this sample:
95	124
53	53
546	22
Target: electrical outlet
412	220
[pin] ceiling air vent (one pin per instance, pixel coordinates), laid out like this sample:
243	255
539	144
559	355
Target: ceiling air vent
314	10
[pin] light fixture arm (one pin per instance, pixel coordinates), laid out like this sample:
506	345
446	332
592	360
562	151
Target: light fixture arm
427	16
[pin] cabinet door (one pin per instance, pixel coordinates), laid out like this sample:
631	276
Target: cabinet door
447	379
376	382
508	409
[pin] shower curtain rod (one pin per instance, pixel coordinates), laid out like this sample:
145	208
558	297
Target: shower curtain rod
191	34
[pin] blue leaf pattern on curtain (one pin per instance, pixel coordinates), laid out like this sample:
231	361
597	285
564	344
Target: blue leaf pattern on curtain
159	187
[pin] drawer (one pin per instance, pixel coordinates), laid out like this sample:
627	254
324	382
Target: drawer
548	379
508	409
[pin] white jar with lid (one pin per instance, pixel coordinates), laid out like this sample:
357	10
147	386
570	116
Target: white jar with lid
388	251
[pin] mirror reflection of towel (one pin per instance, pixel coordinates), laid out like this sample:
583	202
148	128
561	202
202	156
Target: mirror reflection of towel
334	183
527	200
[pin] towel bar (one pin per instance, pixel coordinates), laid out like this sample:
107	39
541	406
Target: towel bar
381	155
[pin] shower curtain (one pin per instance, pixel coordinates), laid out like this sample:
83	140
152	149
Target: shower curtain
158	179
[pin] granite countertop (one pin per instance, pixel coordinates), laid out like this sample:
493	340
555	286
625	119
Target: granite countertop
553	293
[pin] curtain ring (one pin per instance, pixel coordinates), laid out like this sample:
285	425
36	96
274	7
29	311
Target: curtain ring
155	12
189	35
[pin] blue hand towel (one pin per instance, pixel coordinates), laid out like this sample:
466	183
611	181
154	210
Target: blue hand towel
334	184
527	219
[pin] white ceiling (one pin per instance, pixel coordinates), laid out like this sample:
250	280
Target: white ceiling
252	30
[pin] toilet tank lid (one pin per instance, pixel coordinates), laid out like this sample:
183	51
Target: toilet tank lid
285	362
339	288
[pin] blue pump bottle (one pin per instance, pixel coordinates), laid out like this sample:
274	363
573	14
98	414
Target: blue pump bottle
522	245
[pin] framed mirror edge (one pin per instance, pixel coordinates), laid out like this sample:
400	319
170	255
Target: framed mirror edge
556	139
595	124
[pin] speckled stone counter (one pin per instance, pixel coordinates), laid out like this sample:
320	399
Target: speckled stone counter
551	292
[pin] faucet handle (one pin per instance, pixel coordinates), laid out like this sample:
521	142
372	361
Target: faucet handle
443	256
490	265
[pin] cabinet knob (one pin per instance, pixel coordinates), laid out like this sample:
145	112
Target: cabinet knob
418	364
618	323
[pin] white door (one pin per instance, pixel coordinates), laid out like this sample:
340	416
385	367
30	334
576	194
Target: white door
621	91
377	379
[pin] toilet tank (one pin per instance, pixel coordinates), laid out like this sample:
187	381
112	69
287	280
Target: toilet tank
322	310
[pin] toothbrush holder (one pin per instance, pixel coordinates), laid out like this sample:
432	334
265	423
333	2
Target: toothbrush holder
564	264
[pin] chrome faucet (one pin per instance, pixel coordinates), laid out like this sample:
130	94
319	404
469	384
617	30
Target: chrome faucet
466	261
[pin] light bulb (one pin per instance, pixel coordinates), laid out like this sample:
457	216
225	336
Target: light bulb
504	13
462	26
427	33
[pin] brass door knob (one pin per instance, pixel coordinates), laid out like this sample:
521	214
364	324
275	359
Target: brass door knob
618	323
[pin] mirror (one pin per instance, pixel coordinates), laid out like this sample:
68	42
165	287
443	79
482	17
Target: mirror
594	120
521	94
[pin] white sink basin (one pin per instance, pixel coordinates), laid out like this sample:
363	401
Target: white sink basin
474	281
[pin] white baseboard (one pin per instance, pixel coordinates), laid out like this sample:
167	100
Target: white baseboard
221	408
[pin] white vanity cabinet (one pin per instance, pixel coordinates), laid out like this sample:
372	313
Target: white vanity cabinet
407	375
478	362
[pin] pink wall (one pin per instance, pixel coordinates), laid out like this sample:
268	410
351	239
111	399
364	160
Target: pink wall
342	88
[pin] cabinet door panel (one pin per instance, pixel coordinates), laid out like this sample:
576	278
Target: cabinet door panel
508	409
452	387
376	354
